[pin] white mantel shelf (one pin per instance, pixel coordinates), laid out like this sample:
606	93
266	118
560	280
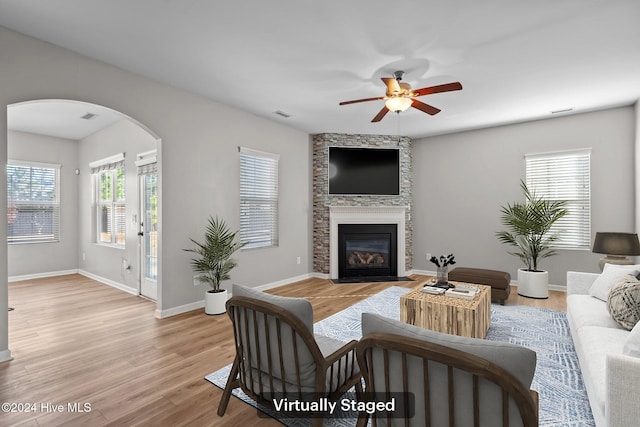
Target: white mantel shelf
366	215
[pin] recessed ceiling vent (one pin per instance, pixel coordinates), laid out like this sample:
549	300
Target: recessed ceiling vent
566	110
89	116
282	114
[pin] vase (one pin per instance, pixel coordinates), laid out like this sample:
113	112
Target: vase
533	284
442	275
215	302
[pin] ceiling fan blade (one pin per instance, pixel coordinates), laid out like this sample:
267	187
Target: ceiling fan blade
380	115
393	86
425	107
361	100
448	87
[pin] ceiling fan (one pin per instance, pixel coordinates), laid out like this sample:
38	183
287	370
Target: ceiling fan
400	96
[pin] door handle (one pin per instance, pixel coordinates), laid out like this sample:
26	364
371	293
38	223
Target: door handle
140	233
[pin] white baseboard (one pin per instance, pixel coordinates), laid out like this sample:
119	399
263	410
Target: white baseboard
109	282
41	275
422	272
5	356
174	311
286	281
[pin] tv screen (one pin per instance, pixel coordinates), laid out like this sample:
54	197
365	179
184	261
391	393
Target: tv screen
360	171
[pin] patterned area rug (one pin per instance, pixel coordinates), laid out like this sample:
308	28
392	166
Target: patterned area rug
563	398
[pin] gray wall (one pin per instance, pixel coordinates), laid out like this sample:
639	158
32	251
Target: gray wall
198	162
466	177
43	258
100	260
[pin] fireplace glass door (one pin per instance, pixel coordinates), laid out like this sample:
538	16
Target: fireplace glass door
367	250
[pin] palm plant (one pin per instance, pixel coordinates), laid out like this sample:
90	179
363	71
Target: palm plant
529	225
214	260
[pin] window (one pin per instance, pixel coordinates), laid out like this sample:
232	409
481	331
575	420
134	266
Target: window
110	206
565	176
258	198
33	202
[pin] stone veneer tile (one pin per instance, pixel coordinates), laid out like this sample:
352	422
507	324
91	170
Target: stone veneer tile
322	199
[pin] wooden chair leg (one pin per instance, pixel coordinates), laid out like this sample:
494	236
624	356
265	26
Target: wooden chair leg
232	382
363	419
359	390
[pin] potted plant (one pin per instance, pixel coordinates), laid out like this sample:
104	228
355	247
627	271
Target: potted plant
214	262
529	226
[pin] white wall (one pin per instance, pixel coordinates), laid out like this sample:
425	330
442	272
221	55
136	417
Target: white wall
461	181
106	261
43	258
198	162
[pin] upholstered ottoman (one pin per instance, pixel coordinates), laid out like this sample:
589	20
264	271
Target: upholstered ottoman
500	281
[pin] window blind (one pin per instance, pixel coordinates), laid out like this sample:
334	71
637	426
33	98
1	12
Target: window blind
258	198
33	202
565	176
109	195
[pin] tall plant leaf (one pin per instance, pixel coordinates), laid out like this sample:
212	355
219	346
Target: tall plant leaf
213	259
529	227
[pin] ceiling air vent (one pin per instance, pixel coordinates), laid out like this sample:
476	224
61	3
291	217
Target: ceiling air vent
282	114
88	116
566	110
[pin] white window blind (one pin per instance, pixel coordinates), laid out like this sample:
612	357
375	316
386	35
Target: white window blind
33	202
109	179
258	198
565	176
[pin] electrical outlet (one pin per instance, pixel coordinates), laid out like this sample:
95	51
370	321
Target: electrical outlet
428	257
298	260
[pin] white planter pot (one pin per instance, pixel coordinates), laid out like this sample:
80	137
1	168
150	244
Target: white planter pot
214	302
533	284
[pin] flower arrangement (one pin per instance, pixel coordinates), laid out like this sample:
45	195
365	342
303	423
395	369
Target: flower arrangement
443	261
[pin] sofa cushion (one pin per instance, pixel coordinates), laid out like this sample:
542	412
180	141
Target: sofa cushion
632	344
300	307
623	302
593	343
609	277
585	310
519	361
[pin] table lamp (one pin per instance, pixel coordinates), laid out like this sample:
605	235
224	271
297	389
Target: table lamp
616	246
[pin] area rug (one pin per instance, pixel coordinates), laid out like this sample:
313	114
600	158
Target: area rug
558	380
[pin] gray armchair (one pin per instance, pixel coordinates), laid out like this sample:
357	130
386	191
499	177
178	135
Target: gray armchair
453	380
277	355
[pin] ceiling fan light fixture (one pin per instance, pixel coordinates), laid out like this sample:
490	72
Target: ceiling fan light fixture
398	103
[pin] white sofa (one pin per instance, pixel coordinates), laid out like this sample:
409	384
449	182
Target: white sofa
612	379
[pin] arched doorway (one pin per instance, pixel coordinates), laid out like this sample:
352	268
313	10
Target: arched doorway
107	207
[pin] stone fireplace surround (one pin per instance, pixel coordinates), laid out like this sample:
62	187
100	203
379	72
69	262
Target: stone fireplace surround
329	209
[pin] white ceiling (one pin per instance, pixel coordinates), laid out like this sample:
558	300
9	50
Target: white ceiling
60	118
516	60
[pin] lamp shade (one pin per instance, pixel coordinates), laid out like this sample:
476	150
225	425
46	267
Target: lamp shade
398	103
616	244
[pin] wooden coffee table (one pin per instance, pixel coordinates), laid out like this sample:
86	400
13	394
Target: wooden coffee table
456	316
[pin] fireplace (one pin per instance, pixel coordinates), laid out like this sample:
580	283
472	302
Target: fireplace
367	250
368	215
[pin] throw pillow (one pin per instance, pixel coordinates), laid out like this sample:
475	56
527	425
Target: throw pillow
609	276
632	345
624	302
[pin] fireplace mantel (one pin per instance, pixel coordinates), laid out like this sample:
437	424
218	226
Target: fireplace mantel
366	215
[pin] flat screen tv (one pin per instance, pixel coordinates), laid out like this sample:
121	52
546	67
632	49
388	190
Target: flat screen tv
364	171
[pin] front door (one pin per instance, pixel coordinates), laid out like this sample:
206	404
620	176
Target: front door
149	235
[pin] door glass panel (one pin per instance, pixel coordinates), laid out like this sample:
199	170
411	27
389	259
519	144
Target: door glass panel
151	226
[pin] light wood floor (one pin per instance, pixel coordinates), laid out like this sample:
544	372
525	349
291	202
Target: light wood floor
75	340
